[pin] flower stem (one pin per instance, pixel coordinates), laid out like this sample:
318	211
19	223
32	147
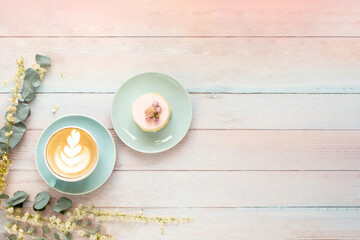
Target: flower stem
8	141
33	235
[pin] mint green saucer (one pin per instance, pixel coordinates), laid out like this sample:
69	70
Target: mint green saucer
179	102
107	154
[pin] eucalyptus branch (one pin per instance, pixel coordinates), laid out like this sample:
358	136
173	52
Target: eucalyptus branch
10	135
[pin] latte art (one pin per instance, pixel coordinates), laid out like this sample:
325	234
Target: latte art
73	158
71	153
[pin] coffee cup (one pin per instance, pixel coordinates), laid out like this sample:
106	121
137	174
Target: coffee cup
71	154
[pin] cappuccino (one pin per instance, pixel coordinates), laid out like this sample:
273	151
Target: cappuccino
71	153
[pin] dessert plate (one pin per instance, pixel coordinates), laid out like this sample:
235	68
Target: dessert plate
178	100
107	154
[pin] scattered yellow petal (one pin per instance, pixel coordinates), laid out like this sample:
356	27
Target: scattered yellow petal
5	82
8	133
54	109
63	75
162	230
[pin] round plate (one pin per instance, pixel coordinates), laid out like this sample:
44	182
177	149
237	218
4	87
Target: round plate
107	154
179	102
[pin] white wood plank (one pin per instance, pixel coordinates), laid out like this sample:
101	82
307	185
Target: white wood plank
232	150
219	111
255	65
180	18
211	188
244	223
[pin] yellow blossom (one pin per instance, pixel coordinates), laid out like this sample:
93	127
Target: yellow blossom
54	109
5	82
41	71
10	118
82	233
8	134
12	109
93	237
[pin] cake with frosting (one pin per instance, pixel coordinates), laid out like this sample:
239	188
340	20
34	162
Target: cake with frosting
151	112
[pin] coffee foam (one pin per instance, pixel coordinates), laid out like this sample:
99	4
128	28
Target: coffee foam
71	153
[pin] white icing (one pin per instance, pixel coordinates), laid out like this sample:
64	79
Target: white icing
73	158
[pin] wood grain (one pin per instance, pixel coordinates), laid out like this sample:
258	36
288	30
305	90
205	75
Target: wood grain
258	224
205	65
180	18
245	223
218	111
211	189
282	164
231	150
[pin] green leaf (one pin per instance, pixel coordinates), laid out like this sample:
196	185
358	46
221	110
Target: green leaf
32	76
22	112
17	200
18	132
43	61
87	223
68	236
31	81
3	148
62	205
46	229
4	196
27	227
78	222
97	229
57	236
12	237
41	200
32	229
28	93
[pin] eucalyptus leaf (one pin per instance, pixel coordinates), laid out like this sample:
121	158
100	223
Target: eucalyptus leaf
22	112
97	229
12	237
27	227
43	61
57	236
3	147
41	200
17	200
4	196
32	229
78	222
87	223
62	205
32	77
46	229
68	236
18	131
28	93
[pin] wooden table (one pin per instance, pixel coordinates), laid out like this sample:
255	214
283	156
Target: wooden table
274	147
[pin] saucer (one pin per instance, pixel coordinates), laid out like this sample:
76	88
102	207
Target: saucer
164	139
107	154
